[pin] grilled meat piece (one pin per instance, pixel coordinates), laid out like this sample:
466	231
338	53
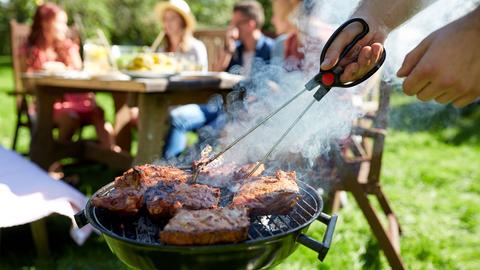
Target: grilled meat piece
148	175
243	171
269	195
123	201
216	176
227	175
128	195
165	198
206	227
204	158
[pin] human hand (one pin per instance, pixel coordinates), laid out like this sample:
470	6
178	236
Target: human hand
363	56
230	36
445	66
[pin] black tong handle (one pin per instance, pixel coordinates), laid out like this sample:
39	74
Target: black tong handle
365	30
331	78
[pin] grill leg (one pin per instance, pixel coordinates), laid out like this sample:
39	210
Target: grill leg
387	243
40	237
336	202
22	108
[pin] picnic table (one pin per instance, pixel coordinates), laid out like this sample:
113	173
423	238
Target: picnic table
155	96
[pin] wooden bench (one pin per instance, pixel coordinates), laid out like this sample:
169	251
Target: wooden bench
214	40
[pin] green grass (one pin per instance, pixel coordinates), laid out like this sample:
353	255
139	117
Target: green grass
431	173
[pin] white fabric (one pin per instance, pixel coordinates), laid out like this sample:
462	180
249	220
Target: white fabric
27	194
197	52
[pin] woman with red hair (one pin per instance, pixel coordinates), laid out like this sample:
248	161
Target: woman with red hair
49	48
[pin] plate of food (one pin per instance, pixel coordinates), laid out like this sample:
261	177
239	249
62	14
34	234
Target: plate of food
151	66
148	74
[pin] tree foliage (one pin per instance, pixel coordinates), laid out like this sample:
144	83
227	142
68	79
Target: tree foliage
212	13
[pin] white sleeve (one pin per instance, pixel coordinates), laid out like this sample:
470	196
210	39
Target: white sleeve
201	54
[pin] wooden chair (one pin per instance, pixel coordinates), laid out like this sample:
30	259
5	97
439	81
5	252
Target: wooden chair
24	97
359	165
214	40
18	36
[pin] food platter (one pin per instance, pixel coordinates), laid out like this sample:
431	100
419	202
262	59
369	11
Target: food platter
148	74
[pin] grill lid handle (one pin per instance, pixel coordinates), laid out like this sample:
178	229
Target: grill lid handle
81	219
323	247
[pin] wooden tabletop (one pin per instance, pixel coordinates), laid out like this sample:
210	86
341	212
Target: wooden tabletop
155	97
217	80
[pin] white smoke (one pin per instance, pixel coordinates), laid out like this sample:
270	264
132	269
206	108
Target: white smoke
326	121
330	120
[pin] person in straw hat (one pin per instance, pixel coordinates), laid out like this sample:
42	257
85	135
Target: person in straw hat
179	23
245	48
177	37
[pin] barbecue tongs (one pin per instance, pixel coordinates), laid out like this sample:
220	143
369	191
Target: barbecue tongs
326	79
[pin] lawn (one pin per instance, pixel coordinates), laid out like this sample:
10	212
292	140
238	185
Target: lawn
431	173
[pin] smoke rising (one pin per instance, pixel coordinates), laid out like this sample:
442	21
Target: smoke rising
329	121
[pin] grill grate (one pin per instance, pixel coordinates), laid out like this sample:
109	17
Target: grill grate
145	231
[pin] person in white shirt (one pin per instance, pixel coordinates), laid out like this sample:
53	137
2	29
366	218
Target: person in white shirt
179	23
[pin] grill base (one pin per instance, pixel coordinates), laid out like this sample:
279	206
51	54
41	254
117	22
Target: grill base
258	256
271	238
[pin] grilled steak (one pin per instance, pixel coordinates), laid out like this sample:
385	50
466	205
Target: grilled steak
206	227
165	198
123	201
148	175
128	196
227	175
269	195
243	171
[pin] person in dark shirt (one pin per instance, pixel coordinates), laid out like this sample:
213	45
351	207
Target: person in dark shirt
245	45
244	40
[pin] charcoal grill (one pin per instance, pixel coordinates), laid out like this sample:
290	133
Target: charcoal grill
271	238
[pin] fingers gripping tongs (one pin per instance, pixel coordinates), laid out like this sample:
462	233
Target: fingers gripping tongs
325	79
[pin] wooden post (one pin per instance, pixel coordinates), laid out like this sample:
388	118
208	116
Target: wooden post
153	126
390	249
40	237
42	145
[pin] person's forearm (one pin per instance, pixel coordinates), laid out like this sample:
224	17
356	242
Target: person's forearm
222	62
390	13
475	17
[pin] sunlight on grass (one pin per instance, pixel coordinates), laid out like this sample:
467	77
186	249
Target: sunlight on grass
430	173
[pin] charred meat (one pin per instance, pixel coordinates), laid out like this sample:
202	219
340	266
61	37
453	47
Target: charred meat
243	171
206	227
123	201
164	199
227	175
269	195
128	195
148	175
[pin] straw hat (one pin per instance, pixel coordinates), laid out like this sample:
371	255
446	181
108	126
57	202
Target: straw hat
179	6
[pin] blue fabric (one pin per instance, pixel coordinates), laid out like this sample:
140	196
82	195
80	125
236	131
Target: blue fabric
278	49
263	50
187	118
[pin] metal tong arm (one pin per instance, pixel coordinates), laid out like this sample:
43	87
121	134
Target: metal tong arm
228	147
281	138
